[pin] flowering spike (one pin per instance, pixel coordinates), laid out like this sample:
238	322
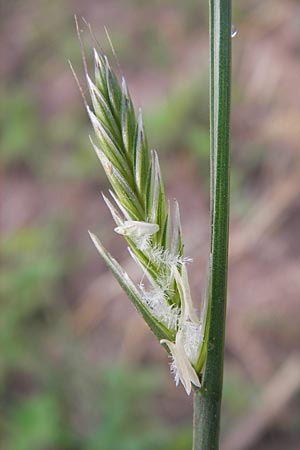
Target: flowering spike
152	231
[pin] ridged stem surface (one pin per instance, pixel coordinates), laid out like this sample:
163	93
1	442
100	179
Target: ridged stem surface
207	401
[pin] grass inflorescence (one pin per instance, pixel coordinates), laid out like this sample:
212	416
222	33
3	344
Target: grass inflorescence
148	222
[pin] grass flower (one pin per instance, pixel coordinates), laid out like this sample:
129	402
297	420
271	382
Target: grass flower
181	366
150	225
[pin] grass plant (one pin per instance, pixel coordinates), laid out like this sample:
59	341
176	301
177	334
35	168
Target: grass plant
151	226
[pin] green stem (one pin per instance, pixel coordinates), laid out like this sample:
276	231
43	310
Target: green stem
207	402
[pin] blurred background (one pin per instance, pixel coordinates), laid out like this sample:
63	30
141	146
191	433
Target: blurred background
79	370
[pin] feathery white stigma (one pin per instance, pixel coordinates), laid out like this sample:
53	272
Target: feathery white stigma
156	302
181	365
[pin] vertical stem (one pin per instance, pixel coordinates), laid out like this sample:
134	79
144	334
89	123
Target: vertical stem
207	401
211	117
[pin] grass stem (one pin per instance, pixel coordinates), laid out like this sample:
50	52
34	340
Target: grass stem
207	401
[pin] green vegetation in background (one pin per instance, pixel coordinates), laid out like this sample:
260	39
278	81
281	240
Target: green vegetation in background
35	424
28	286
238	396
110	415
126	422
19	125
171	120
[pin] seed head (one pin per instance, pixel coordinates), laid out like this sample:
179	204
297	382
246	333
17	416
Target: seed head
150	225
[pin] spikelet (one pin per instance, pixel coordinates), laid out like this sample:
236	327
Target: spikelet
150	226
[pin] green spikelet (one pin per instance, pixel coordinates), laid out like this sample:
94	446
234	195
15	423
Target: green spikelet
150	226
